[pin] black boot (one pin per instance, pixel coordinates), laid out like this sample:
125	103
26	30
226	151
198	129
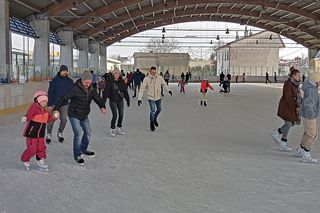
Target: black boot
152	128
155	122
205	103
201	103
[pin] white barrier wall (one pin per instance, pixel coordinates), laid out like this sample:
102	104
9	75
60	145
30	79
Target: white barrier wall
13	95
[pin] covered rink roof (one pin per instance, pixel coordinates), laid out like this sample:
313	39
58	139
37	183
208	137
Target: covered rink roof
109	21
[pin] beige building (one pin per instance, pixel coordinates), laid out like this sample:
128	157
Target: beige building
112	63
176	63
254	55
199	63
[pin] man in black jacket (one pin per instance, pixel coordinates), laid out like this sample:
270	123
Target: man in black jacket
80	96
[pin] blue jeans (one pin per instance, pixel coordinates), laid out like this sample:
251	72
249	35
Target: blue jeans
80	143
153	112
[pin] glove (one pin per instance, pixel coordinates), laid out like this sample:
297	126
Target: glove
170	93
128	104
56	114
23	119
139	102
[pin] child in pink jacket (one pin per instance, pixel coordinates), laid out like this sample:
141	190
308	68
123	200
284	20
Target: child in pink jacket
37	117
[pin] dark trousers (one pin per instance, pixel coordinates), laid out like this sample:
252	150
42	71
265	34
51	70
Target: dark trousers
135	89
116	107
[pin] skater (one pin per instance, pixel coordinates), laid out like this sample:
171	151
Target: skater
237	78
167	77
182	75
116	91
303	78
309	112
275	77
161	74
101	86
94	79
243	77
80	96
37	117
58	87
153	83
229	82
288	110
225	86
182	83
190	75
137	79
204	89
187	78
267	78
221	78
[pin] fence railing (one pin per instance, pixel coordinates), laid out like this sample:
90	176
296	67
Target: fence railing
29	73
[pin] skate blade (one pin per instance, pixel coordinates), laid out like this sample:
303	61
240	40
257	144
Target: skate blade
310	162
274	139
43	169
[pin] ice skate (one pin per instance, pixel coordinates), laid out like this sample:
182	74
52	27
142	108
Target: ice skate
60	137
276	136
88	153
155	122
79	160
119	131
26	165
113	132
299	152
284	147
48	138
42	166
152	128
306	158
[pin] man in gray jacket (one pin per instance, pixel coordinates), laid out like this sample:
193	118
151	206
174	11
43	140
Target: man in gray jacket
309	112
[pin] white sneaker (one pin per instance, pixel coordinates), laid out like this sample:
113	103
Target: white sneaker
306	158
284	147
299	152
113	132
276	136
27	165
119	131
42	164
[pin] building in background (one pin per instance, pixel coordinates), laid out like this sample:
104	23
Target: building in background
254	55
112	63
127	64
176	63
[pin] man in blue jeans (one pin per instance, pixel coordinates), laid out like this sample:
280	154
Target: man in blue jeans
153	83
80	96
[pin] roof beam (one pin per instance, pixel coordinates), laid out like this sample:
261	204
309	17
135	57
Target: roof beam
110	40
211	10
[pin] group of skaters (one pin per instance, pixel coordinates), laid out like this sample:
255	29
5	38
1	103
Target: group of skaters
66	99
293	108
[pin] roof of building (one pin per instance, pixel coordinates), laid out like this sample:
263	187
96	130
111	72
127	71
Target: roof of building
110	21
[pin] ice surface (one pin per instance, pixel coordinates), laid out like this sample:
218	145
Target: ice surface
219	158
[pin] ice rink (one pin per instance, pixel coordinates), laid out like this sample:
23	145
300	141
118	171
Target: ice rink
213	159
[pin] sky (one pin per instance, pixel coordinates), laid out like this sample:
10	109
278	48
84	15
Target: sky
195	38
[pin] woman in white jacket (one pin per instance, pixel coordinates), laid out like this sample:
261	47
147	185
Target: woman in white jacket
153	83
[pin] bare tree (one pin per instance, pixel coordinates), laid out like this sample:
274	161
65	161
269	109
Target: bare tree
115	56
162	46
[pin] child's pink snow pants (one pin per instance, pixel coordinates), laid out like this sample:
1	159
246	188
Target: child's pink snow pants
35	146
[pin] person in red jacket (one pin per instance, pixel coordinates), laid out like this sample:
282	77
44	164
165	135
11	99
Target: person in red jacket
37	117
204	89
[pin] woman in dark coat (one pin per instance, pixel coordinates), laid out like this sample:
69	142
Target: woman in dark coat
288	109
116	90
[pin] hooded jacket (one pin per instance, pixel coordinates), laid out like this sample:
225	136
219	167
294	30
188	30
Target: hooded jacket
153	85
310	102
80	100
57	88
204	86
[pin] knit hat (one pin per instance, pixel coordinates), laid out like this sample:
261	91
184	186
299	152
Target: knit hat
63	67
86	75
116	70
